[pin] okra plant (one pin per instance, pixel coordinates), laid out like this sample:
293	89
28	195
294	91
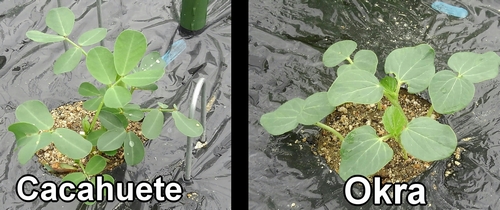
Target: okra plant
119	74
362	151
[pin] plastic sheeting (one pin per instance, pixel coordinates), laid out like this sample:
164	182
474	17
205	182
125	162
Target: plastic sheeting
26	73
286	42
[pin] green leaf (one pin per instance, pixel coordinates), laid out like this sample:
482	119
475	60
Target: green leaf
450	93
86	124
132	106
61	20
109	120
41	37
111	140
111	153
92	104
91	37
130	46
36	113
151	61
357	86
338	52
394	120
68	61
71	144
133	114
75	177
95	165
363	153
88	89
428	140
284	118
112	110
152	124
162	105
122	119
23	129
363	60
151	87
475	67
413	66
133	149
117	97
188	127
34	143
390	84
100	65
315	108
94	136
143	78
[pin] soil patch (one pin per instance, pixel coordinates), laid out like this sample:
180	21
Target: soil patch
349	116
70	116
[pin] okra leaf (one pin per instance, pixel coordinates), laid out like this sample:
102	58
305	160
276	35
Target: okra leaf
315	108
412	65
357	86
394	120
338	52
363	60
428	140
450	93
363	153
475	67
284	118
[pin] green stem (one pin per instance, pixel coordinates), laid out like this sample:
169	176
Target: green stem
162	110
328	128
405	155
349	60
77	46
83	169
94	120
384	138
430	111
379	105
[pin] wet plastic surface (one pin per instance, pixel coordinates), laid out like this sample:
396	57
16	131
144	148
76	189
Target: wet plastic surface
286	42
26	73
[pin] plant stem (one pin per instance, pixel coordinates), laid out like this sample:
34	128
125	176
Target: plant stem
349	60
430	111
94	120
328	128
83	168
388	136
405	155
379	105
162	110
77	46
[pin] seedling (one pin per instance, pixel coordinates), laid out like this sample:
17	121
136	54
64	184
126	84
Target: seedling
362	151
119	74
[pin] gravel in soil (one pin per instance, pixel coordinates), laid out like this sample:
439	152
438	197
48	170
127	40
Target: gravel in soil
349	116
70	116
